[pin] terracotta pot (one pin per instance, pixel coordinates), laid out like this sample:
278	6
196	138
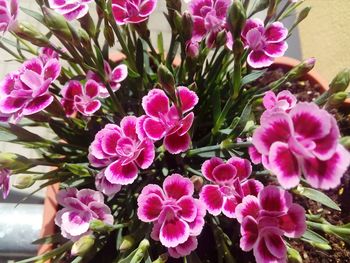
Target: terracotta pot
287	63
50	209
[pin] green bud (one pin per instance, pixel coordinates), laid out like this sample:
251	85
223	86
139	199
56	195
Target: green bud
109	34
14	161
162	258
84	37
83	245
88	24
24	181
141	251
100	226
271	11
340	82
28	32
197	182
177	19
322	246
294	256
187	26
57	23
236	17
142	30
221	38
127	243
173	5
303	14
301	69
345	141
238	48
337	99
166	79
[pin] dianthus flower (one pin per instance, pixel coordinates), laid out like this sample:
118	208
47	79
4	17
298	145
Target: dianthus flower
303	140
8	14
79	209
169	122
229	184
266	219
122	152
265	44
132	11
79	98
70	9
5	182
26	91
178	217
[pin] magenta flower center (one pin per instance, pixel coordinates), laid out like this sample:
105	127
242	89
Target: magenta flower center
126	147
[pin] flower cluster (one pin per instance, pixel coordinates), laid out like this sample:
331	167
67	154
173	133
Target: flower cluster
265	219
71	9
229	185
169	122
301	138
79	209
5	182
264	44
26	91
122	151
177	217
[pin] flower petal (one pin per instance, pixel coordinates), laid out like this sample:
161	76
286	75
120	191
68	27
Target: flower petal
176	144
230	204
149	208
117	173
155	103
188	207
119	73
224	173
173	232
276	32
294	222
212	198
274	201
208	167
154	129
276	50
188	98
249	231
175	186
248	207
258	59
243	167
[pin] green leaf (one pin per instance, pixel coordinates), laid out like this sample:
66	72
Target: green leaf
139	57
100	61
314	237
260	6
6	136
160	44
129	257
252	76
37	16
132	73
319	197
77	169
51	239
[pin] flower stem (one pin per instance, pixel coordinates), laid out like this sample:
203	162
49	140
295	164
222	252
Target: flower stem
222	146
330	229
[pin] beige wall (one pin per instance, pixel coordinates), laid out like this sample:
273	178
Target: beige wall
325	34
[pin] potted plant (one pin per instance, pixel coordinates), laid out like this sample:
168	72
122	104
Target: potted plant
209	160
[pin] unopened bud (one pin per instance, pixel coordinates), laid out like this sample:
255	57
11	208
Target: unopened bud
166	79
236	17
192	49
100	226
337	99
340	82
141	251
57	23
24	181
83	245
345	141
271	11
322	246
301	69
197	182
88	24
28	32
294	256
127	243
221	38
109	35
238	48
14	161
162	258
303	14
142	29
84	37
187	26
174	5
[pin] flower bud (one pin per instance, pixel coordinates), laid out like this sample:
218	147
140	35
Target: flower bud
166	79
88	24
56	23
100	226
84	37
345	141
174	5
337	99
236	17
301	69
238	48
83	245
221	38
14	161
303	14
271	11
340	82
24	181
294	256
197	182
127	243
142	30
28	32
141	251
187	26
192	49
109	34
162	258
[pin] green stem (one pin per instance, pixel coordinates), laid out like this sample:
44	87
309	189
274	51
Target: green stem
329	229
282	10
10	51
222	115
170	57
237	78
191	170
222	146
115	100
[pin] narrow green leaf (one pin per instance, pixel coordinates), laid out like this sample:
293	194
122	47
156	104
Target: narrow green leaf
319	197
77	169
51	239
252	76
160	43
37	16
100	62
313	236
261	5
129	257
6	136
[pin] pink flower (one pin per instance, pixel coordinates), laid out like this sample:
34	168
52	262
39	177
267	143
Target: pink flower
178	217
8	14
229	186
26	91
265	219
132	11
122	151
209	18
164	121
105	186
114	78
46	53
5	182
265	43
71	9
284	100
192	48
79	209
83	99
302	141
